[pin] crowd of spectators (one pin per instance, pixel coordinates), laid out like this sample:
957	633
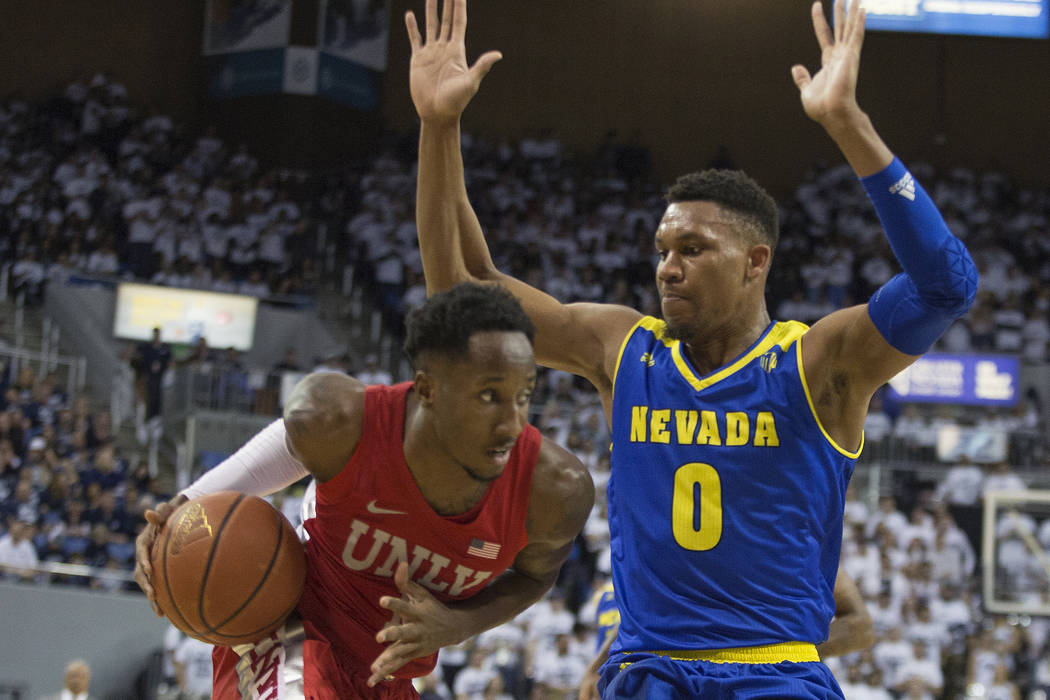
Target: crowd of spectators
91	185
67	493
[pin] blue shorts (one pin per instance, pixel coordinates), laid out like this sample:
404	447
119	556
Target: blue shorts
656	677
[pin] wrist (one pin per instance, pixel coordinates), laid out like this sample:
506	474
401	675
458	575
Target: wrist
440	122
846	124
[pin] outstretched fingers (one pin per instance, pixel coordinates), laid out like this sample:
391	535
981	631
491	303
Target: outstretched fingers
840	19
820	26
432	20
446	20
855	25
414	38
459	19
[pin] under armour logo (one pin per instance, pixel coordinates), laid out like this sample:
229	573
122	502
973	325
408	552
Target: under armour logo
905	187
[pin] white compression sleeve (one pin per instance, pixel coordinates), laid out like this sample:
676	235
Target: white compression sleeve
261	467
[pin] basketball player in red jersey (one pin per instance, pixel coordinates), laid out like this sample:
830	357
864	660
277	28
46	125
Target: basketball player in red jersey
439	511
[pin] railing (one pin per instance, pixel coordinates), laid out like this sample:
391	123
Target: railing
80	570
49	361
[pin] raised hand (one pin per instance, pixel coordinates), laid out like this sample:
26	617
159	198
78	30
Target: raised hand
420	626
441	82
831	94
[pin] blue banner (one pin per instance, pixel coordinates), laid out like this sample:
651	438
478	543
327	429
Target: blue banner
348	82
1014	18
243	73
959	379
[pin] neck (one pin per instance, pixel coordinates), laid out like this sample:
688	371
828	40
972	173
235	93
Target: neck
708	351
445	484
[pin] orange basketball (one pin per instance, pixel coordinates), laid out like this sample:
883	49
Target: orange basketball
227	568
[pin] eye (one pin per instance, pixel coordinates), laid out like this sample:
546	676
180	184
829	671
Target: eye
524	397
488	395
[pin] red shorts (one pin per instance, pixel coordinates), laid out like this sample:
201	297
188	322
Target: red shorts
294	663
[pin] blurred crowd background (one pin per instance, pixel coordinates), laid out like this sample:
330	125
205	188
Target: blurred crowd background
96	190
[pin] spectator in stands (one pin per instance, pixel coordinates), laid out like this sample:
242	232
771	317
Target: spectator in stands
470	683
77	683
17	554
961	485
150	363
1001	477
891	654
556	671
193	672
372	373
27	278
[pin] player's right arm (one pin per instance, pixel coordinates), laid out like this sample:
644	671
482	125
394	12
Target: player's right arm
583	339
316	437
851	629
589	682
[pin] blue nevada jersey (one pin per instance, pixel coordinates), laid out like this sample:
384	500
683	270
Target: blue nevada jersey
726	497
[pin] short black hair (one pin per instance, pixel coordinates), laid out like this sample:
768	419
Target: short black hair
736	192
445	322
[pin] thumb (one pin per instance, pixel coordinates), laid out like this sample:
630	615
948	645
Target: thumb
401	577
407	587
484	64
800	75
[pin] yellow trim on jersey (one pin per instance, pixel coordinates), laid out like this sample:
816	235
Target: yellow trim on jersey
813	409
619	355
795	652
782	334
649	323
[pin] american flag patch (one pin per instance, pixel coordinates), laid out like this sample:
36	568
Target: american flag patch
481	548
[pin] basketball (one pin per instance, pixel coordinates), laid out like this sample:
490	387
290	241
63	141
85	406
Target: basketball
227	568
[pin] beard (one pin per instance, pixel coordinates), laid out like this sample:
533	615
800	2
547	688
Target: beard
679	331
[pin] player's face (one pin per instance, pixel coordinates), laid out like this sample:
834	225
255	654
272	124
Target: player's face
701	276
482	401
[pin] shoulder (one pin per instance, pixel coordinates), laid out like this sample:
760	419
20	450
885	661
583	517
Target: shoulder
323	419
326	393
562	494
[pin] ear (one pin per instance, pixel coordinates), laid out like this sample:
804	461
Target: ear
758	260
423	384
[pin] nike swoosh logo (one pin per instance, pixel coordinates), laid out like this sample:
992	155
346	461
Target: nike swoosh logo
373	508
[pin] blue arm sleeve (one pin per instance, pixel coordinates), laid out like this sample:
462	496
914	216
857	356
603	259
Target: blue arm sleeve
939	282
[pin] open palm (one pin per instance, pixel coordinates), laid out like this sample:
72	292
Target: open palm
832	91
441	82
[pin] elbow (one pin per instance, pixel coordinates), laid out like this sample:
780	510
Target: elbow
958	288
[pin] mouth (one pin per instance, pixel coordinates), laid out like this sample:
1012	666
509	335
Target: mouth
500	455
671	298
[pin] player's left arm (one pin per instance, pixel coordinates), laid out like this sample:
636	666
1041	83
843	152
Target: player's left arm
850	353
851	629
560	500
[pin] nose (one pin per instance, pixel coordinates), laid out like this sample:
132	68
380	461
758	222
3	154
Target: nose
512	419
670	268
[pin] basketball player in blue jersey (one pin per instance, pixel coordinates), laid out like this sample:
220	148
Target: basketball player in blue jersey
734	436
850	630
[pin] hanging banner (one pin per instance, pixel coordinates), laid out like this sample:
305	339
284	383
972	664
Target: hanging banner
244	25
353	36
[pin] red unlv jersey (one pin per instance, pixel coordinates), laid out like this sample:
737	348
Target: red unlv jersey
372	516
